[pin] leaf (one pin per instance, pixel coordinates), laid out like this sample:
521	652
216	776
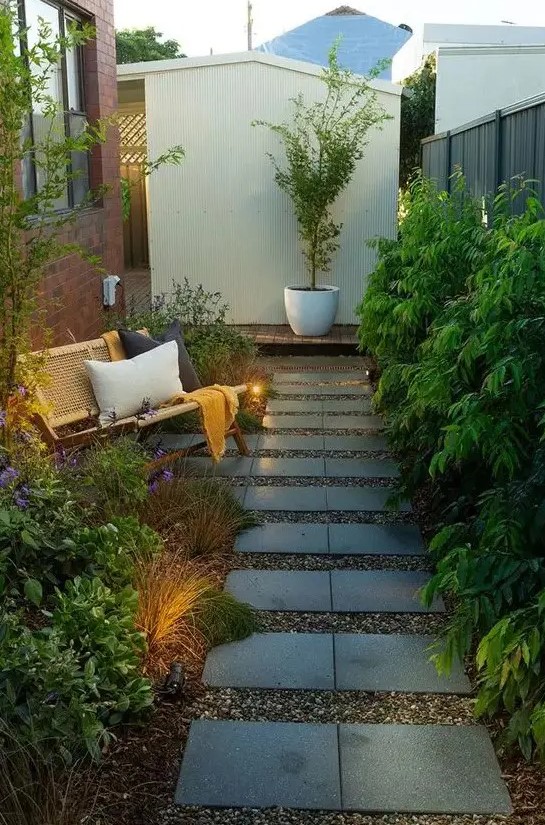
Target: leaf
33	591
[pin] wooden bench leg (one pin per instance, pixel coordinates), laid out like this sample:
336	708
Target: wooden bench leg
238	435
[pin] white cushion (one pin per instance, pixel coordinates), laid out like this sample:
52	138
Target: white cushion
121	387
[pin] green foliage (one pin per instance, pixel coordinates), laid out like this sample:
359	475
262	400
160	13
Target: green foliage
172	157
455	314
116	476
30	228
249	422
417	117
223	619
220	354
141	45
323	144
70	682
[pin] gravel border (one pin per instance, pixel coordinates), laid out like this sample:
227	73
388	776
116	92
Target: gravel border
310	481
427	624
334	516
284	816
354	707
304	561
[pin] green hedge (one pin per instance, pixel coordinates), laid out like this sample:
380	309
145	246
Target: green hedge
455	316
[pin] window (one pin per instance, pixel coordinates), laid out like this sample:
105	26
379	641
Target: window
64	85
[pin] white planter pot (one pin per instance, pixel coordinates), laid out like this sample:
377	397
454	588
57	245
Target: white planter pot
311	312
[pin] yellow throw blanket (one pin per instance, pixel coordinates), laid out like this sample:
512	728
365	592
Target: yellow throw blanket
218	405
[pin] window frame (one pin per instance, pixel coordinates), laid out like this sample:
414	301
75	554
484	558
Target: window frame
66	13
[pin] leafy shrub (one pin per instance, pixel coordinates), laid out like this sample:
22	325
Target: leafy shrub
200	516
249	422
115	474
455	315
73	680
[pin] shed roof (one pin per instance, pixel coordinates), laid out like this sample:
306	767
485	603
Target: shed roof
365	40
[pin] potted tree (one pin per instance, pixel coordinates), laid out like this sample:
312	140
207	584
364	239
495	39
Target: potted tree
322	146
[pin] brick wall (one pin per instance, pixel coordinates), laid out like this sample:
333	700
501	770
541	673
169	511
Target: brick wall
72	290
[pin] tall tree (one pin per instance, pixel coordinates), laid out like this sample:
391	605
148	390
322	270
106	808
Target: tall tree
141	45
417	117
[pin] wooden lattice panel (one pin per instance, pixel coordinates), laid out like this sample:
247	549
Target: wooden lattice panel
132	136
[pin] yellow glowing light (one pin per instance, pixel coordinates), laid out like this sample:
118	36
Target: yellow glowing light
256	389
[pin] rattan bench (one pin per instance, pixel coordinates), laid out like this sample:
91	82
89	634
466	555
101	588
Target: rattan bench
68	397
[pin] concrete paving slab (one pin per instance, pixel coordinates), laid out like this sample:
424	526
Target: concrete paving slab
361	468
421	769
284	538
290	442
391	662
293	422
362	443
360	405
260	765
301	405
289	467
273	661
370	499
295	499
376	539
380	591
231	466
285	590
352	422
326	390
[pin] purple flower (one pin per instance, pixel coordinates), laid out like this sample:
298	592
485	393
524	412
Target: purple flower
167	475
7	476
2	418
153	486
20	497
22	391
159	453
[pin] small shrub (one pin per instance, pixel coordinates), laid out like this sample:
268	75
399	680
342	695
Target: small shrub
223	619
170	591
116	476
249	422
200	516
36	791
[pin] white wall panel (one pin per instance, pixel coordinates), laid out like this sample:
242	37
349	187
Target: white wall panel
220	219
490	77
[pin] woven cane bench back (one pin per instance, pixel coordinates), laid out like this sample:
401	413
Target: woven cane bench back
68	392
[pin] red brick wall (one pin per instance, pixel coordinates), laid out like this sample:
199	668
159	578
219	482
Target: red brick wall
72	290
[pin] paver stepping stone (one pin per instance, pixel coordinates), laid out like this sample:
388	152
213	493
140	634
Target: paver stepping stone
423	769
360	468
346	405
380	591
364	443
295	661
316	376
295	499
294	467
376	539
180	441
293	422
391	662
301	405
323	389
372	499
289	590
284	538
260	765
232	466
352	422
290	442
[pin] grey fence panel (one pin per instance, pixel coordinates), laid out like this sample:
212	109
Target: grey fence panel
497	148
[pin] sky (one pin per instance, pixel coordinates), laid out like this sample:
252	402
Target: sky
220	25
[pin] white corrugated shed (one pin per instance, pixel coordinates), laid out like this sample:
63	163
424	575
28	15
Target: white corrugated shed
220	218
492	77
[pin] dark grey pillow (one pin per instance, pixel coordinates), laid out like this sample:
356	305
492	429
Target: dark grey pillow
134	343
